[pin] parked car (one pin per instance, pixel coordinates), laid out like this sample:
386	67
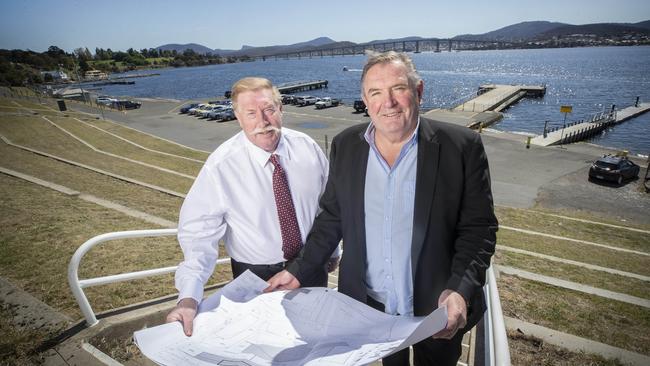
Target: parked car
205	112
327	102
105	100
226	114
287	99
613	168
198	111
192	111
360	106
186	108
215	110
126	104
308	101
298	99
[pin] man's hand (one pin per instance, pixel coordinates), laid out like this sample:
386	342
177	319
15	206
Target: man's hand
332	264
282	281
456	313
184	312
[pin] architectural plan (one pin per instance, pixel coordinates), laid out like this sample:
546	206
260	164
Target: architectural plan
308	326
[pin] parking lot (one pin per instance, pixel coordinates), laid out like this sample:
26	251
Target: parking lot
521	177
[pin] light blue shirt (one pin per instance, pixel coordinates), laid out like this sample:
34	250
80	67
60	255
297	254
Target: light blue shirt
389	201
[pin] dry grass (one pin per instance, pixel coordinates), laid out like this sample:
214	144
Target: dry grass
530	220
18	342
589	215
588	316
599	256
43	228
527	351
87	181
39	134
599	279
110	144
147	140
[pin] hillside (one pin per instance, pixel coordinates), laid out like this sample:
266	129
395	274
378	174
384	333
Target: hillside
180	48
516	32
600	30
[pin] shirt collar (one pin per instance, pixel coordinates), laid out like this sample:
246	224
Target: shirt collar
261	156
369	135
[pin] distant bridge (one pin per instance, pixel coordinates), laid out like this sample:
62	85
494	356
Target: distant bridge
417	46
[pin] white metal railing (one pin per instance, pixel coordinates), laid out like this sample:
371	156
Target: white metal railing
77	285
497	352
496	349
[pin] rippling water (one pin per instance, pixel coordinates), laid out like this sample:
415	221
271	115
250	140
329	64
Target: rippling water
589	79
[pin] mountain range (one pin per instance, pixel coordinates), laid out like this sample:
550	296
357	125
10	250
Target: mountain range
520	32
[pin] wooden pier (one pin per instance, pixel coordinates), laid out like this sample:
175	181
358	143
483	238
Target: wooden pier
582	130
494	97
299	86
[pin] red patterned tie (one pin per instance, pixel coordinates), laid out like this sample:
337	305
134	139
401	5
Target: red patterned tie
291	240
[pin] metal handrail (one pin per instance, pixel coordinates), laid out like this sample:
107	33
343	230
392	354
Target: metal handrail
497	350
77	285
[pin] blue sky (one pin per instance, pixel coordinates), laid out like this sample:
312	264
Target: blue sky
119	24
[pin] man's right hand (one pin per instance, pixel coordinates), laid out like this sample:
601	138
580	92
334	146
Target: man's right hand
282	281
184	312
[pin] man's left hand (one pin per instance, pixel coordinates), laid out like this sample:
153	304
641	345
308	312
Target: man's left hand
332	264
456	313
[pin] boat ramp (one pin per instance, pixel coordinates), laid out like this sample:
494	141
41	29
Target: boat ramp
581	130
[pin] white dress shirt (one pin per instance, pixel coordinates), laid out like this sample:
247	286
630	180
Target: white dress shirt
232	199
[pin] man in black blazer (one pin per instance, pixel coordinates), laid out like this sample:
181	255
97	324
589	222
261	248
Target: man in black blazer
430	242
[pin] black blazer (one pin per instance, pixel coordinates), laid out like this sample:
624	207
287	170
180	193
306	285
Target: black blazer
454	228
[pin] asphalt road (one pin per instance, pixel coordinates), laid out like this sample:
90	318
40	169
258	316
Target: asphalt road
551	177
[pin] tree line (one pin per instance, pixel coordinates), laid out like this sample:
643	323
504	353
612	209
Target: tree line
19	67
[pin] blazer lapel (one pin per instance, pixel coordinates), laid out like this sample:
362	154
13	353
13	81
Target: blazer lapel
425	186
358	182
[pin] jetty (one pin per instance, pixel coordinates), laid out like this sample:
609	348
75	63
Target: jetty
582	130
485	107
495	97
113	82
297	86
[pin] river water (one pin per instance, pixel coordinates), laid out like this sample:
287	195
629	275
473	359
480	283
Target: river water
588	79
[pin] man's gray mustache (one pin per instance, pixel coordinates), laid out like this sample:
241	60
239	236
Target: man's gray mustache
265	130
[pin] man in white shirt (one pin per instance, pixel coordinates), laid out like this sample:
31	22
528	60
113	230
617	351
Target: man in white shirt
258	192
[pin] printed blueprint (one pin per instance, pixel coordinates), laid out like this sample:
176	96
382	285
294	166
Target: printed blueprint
308	326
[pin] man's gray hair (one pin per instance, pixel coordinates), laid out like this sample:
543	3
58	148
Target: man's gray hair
375	58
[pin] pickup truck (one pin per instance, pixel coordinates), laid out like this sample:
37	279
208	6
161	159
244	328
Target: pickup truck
307	101
327	102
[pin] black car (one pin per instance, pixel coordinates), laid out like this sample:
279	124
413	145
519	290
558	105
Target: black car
360	106
126	104
186	108
613	168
